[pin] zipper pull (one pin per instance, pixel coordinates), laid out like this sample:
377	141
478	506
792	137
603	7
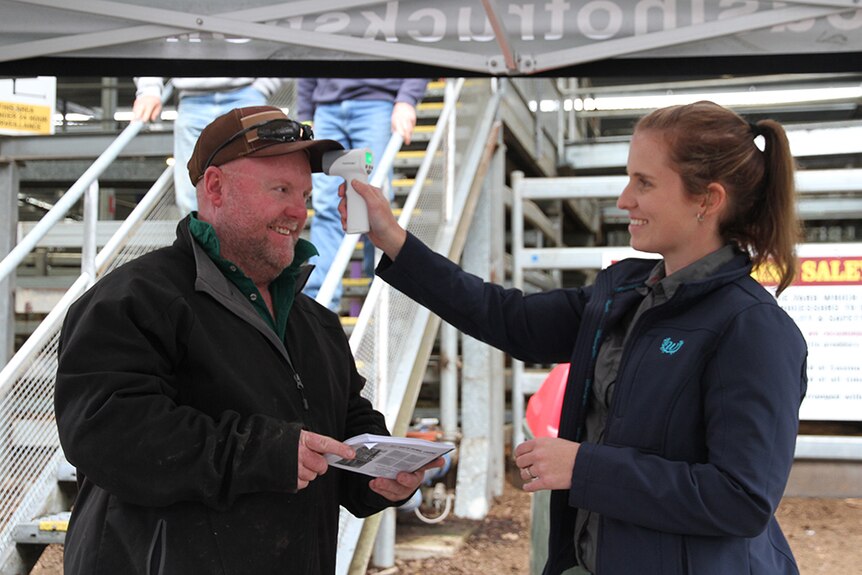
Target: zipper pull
301	389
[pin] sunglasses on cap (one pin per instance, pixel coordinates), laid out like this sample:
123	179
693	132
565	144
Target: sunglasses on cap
277	131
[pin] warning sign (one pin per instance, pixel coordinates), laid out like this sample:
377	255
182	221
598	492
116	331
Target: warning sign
825	300
27	105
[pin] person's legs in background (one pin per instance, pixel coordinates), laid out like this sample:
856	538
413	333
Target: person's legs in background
326	232
355	124
371	127
193	114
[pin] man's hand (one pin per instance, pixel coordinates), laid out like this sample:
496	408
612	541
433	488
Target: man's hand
546	463
311	460
403	120
147	108
404	483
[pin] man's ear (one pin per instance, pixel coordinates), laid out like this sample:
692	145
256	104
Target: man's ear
715	199
213	186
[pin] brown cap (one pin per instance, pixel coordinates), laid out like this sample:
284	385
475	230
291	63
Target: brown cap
211	143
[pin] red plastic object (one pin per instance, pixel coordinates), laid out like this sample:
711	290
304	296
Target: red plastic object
545	406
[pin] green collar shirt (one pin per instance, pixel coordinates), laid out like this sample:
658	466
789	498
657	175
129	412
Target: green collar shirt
282	289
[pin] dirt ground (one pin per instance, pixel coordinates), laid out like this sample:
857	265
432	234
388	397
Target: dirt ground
825	534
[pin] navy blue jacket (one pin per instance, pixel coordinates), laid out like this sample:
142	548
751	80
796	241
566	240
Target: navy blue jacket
700	437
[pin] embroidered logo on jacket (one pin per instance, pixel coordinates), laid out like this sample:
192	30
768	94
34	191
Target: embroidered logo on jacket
670	347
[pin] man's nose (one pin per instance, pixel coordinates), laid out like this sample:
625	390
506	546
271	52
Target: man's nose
296	208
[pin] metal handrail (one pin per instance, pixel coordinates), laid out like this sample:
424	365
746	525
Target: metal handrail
48	326
391	337
28	376
14	258
345	250
373	296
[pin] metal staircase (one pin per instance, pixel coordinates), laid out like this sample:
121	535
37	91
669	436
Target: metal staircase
36	477
392	337
394	340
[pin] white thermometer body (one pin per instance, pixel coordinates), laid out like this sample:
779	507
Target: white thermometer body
355	164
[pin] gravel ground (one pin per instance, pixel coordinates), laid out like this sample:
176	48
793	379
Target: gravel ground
825	534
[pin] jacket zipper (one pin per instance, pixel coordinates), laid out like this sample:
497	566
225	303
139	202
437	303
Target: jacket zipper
300	387
597	342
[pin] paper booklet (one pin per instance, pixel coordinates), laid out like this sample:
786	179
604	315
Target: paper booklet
384	456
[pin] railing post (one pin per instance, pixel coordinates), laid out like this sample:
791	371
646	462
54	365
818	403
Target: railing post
517	179
8	221
91	220
449	381
450	95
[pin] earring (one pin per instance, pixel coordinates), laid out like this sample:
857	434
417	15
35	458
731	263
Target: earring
700	218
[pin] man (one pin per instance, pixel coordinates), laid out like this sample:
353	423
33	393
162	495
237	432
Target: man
198	389
357	113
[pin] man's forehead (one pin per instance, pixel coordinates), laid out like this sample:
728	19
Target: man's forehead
297	161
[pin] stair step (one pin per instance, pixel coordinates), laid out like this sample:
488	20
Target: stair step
434	89
47	530
422	133
348	323
409	159
356	282
355	287
67	472
429	109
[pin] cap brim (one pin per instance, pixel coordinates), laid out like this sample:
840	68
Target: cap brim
315	149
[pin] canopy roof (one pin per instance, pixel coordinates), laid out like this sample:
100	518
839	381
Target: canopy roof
417	37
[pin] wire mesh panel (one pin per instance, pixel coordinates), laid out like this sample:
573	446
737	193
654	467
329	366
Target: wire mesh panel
393	325
387	347
29	447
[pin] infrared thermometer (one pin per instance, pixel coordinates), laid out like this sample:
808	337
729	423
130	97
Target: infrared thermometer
351	164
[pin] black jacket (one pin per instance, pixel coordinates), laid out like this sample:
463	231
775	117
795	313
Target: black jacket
179	407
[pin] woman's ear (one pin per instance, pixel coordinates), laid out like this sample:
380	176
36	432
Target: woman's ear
715	199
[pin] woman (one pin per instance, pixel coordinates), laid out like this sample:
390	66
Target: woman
681	408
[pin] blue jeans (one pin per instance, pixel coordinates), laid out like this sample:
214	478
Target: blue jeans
355	124
194	113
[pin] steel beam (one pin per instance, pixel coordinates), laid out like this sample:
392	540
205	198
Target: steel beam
187	22
824	139
608	49
85	146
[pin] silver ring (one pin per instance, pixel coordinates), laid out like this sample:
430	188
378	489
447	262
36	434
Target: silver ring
529	470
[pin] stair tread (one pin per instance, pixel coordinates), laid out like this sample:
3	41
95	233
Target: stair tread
49	529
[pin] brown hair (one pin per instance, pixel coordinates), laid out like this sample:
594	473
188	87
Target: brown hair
709	143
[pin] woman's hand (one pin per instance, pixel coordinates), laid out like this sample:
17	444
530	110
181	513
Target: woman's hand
385	233
546	463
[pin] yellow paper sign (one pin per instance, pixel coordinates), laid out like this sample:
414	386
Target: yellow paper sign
19	118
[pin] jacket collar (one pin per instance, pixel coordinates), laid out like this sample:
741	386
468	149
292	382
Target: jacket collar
210	280
205	266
